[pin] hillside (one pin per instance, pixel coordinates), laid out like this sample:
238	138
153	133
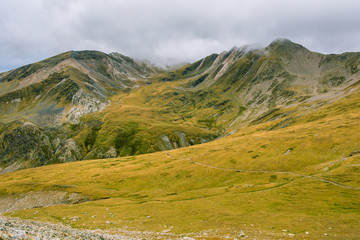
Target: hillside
88	105
302	179
45	112
67	86
257	143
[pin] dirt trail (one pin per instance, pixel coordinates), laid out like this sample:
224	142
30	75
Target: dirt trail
275	172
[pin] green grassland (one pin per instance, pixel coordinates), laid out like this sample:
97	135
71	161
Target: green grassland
260	180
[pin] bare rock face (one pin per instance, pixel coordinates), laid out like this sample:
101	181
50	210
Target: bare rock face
165	144
111	153
68	151
179	139
102	152
83	103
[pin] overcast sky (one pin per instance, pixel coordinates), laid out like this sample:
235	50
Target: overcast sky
171	30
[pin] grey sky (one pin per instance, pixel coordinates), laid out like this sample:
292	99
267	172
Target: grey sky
170	30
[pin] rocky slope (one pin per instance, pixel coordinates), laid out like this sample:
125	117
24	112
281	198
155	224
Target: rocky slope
14	228
18	229
87	105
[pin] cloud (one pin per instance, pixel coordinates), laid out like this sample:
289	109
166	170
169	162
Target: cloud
170	31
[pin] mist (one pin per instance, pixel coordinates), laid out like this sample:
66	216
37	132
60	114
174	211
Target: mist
170	32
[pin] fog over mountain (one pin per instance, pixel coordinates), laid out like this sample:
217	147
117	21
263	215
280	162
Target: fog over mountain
168	32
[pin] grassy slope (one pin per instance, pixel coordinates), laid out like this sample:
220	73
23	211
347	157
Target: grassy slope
204	187
142	113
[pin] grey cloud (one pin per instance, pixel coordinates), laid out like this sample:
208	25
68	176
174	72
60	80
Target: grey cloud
170	31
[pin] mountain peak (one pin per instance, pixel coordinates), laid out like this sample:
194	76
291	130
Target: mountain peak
282	41
283	45
87	54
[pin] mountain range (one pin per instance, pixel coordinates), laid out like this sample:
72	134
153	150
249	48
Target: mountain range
277	123
88	104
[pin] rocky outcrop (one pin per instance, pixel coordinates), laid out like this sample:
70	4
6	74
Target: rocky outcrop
179	139
102	152
67	151
83	103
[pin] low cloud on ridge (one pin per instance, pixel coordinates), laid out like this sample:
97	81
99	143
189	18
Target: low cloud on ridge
170	31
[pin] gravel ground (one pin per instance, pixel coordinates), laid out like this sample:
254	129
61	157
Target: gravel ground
14	228
11	228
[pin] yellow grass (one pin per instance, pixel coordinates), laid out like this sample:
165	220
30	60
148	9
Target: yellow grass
258	181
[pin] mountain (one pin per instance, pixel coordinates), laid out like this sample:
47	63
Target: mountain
255	83
43	108
38	102
255	143
42	103
67	86
89	105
